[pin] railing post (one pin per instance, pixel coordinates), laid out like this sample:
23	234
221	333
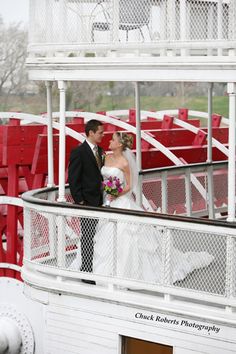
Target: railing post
232	20
167	276
27	234
210	192
52	229
164	193
183	24
210	27
230	270
188	192
220	23
116	20
49	23
171	13
61	242
62	20
115	266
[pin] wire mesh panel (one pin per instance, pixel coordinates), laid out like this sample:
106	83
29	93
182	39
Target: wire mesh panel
202	22
176	201
204	255
187	191
220	183
199	192
152	190
134	249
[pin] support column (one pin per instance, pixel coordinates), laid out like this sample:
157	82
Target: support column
231	89
210	192
209	124
138	142
50	134
62	140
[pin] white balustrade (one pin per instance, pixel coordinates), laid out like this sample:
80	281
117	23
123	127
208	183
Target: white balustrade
160	241
205	27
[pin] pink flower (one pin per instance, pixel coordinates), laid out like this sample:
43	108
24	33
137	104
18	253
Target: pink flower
112	186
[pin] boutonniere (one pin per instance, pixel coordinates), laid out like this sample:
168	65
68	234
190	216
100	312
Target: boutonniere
103	157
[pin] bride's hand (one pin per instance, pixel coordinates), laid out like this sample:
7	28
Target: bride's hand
111	197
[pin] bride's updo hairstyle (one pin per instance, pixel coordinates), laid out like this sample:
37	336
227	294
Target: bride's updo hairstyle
126	140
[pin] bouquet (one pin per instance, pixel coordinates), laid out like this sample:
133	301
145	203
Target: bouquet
112	186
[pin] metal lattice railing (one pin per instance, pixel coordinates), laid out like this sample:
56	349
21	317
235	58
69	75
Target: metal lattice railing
144	252
191	190
124	22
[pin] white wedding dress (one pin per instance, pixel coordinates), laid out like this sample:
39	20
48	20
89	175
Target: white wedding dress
132	251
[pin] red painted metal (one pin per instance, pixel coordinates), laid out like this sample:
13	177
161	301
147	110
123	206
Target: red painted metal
216	120
167	122
183	114
200	138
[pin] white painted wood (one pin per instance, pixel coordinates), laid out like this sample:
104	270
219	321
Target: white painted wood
96	326
187	74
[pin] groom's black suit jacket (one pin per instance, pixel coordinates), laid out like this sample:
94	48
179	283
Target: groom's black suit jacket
85	179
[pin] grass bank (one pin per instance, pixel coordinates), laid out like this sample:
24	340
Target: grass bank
36	104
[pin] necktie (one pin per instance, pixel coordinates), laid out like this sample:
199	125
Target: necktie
97	157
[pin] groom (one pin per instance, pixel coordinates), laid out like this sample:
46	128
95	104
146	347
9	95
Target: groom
85	181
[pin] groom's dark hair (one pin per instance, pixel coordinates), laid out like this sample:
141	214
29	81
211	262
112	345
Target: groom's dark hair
93	125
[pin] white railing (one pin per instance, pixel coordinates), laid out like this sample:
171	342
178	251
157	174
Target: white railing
194	190
186	26
176	256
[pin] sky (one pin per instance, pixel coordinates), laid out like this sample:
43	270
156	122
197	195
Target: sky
14	11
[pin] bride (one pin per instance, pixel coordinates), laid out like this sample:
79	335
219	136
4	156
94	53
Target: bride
134	251
129	250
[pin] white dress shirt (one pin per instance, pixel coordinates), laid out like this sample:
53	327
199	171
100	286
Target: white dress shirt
92	146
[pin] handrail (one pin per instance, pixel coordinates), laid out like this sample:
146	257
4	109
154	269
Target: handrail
31	197
175	168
